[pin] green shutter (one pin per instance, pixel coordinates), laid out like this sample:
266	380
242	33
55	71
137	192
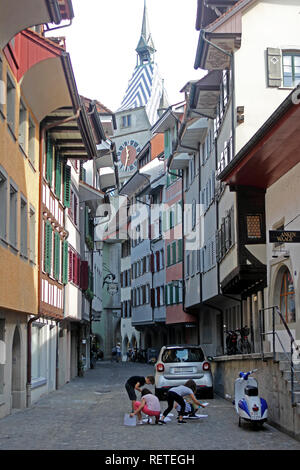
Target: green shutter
56	268
166	295
179	250
67	185
171	293
48	247
168	255
65	262
177	294
174	260
57	175
49	160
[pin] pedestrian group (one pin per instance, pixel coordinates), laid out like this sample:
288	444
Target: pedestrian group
182	398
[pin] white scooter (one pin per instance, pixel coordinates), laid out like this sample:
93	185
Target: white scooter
249	406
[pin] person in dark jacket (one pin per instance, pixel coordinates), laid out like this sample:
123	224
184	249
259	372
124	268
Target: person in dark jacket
134	384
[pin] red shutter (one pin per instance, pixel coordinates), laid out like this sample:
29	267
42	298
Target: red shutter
70	266
152	298
158	296
78	271
84	275
74	268
157	261
152	263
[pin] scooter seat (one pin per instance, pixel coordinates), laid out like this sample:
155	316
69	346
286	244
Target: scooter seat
251	391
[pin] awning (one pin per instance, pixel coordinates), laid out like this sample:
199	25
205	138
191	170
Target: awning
168	119
272	151
180	161
46	66
88	193
15	17
134	184
107	178
194	132
205	94
209	57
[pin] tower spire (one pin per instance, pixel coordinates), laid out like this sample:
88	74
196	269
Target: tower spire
145	47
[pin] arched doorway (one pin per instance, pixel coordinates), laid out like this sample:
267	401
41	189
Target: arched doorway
287	297
16	370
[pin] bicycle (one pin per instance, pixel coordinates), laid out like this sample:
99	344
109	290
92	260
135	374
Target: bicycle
243	345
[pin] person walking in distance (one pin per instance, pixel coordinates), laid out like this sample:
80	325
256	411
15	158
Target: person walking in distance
176	394
134	384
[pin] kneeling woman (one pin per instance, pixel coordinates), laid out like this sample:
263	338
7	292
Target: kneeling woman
176	394
149	405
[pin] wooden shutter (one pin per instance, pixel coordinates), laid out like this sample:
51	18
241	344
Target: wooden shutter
274	67
168	255
65	262
174	260
157	261
70	265
49	160
57	174
48	248
152	298
152	263
84	275
56	266
67	185
180	250
158	296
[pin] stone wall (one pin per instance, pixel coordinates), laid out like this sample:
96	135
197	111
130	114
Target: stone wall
272	387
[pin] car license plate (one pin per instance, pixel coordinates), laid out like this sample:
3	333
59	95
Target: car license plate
183	370
255	415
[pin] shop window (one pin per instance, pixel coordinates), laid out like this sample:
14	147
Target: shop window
287	297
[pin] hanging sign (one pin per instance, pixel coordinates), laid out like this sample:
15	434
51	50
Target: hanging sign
284	236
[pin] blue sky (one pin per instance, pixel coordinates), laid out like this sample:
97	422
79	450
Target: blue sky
103	37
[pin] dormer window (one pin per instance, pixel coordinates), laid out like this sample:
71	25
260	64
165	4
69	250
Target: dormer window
126	121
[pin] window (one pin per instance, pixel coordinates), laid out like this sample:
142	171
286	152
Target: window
23	127
13	195
31	141
32	235
23	227
287	297
10	101
126	121
253	226
291	69
3	205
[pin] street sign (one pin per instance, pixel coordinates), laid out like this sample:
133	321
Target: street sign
284	236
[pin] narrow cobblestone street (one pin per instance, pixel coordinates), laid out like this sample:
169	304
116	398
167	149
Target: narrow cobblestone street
87	414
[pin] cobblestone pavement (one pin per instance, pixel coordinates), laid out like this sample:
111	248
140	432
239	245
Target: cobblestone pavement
88	413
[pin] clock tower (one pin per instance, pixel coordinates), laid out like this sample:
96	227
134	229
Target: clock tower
140	105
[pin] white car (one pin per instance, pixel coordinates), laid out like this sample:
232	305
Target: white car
177	364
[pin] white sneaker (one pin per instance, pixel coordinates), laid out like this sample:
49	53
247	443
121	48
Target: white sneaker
140	422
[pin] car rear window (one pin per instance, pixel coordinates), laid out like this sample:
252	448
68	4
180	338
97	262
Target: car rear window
183	355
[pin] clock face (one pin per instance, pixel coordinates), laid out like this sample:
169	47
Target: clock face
127	155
